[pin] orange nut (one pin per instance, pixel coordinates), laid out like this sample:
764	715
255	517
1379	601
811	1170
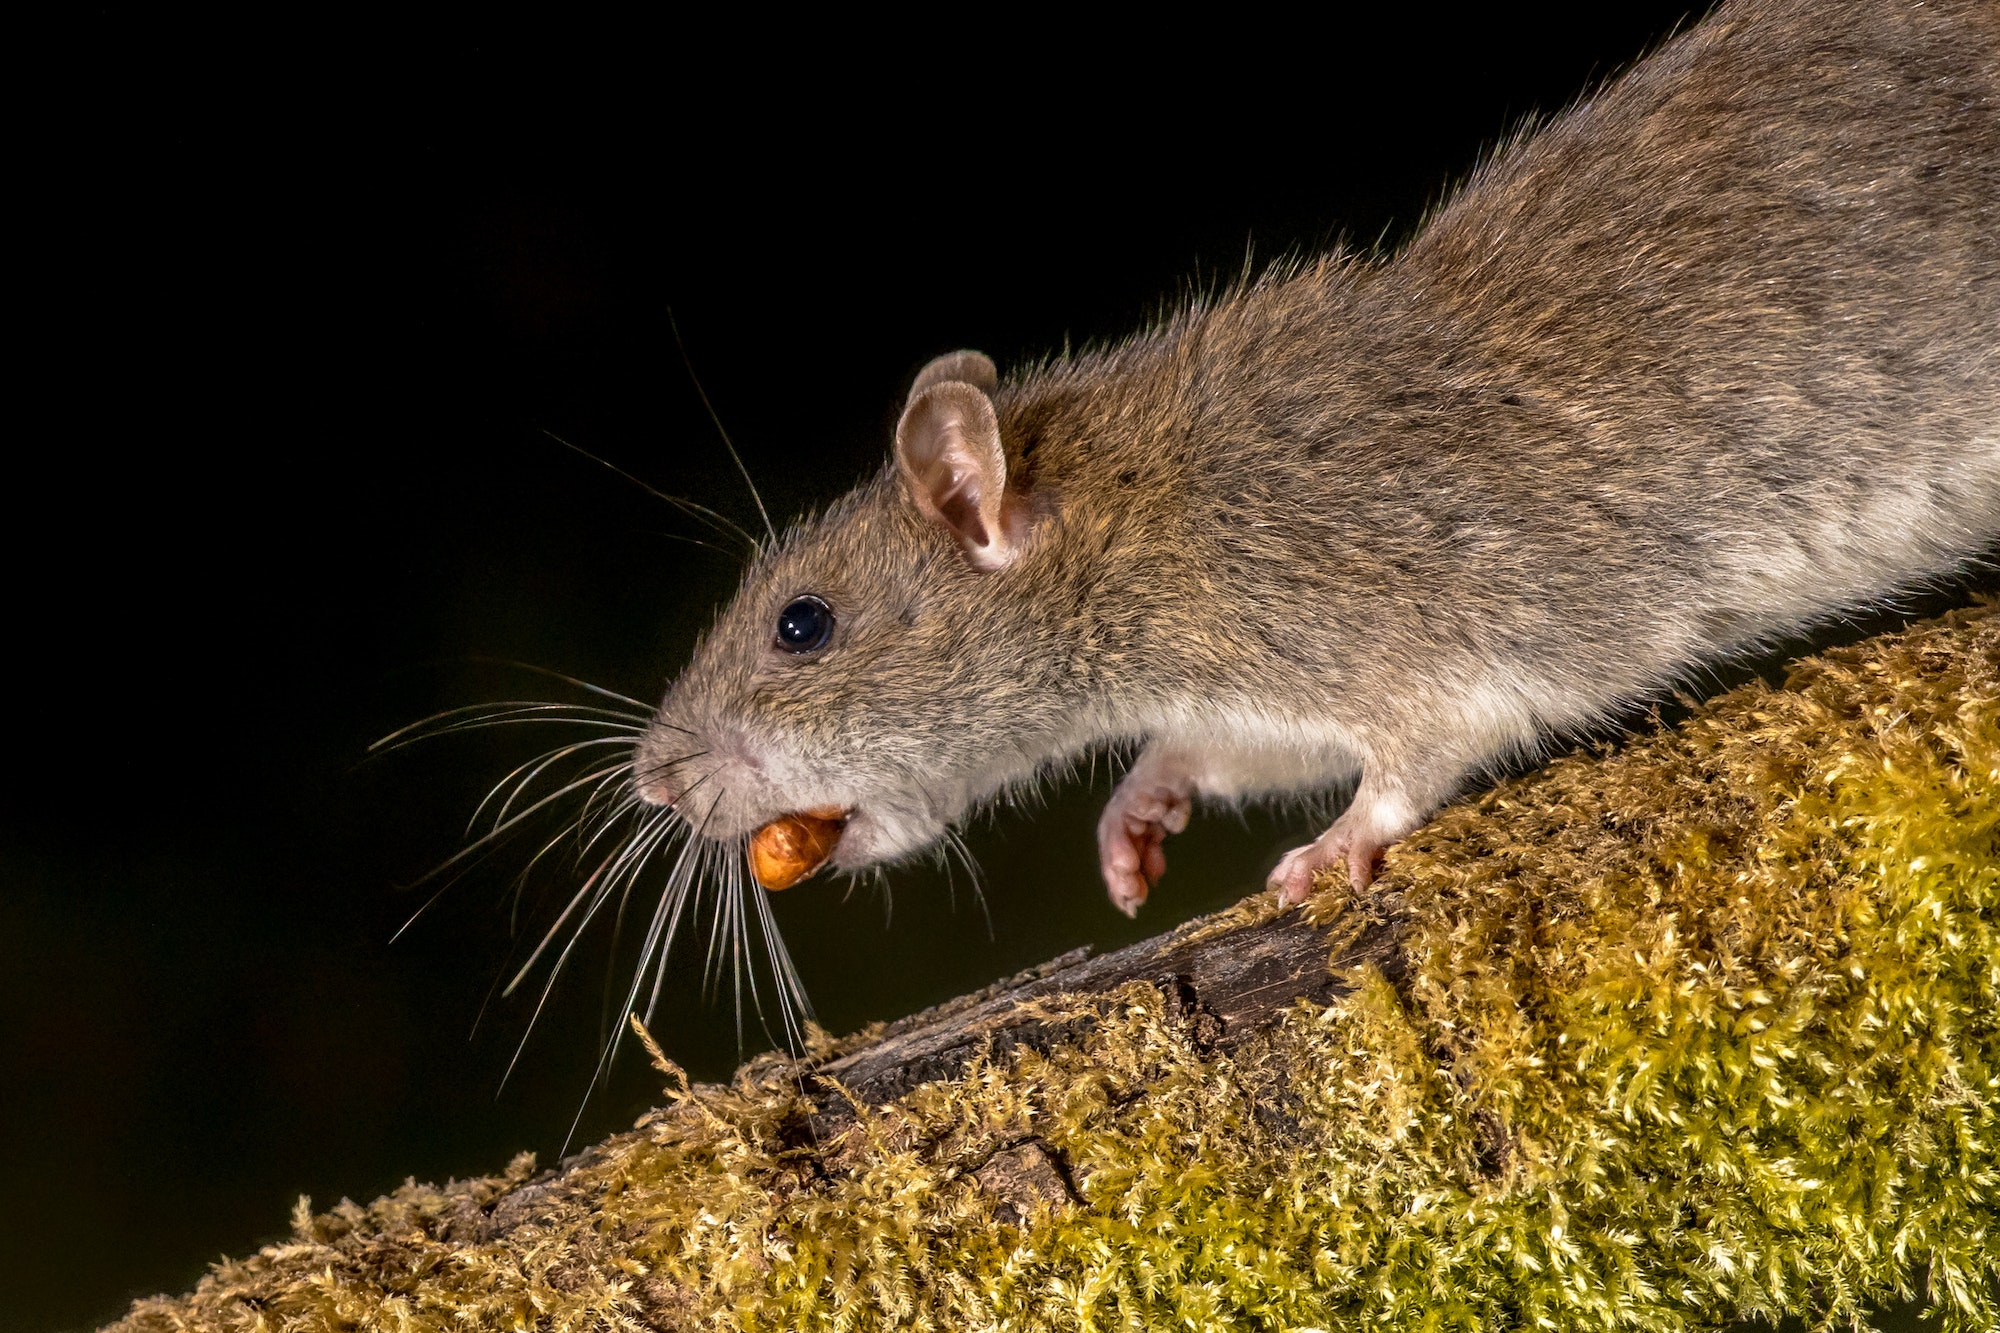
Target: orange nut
791	847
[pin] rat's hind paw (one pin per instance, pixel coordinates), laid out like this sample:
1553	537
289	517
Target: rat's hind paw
1378	817
1336	849
1136	821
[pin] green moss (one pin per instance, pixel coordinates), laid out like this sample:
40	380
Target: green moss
1704	1028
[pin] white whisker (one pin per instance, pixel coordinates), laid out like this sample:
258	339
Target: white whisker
673	895
687	874
622	847
534	768
735	891
500	830
645	709
791	994
475	716
716	417
709	969
650	833
956	844
728	527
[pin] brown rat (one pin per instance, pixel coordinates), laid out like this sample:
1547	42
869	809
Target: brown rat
1713	354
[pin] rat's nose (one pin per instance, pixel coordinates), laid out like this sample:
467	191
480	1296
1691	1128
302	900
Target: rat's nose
657	788
657	777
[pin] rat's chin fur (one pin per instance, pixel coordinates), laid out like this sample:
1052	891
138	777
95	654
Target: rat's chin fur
878	834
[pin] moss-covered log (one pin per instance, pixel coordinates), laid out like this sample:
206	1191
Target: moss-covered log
1705	1027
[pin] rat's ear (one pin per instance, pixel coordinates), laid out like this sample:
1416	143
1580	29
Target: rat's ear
948	449
965	366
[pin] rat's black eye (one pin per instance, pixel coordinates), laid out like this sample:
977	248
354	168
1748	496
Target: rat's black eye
805	625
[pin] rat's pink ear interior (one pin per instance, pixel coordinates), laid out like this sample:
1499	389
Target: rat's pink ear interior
948	448
964	366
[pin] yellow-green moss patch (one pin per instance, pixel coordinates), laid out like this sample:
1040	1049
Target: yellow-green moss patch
1706	1027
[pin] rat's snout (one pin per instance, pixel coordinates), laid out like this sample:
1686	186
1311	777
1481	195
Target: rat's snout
657	786
656	777
709	773
663	768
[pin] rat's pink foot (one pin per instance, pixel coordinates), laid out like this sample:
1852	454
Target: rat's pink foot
1336	849
1376	819
1149	804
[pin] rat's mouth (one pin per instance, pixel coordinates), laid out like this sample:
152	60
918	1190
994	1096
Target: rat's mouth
791	847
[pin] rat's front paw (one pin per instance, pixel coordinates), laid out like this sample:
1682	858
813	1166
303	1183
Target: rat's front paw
1137	819
1337	849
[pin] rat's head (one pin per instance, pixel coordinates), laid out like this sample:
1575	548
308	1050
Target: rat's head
873	661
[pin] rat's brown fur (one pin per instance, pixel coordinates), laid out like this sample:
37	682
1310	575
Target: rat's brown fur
1715	353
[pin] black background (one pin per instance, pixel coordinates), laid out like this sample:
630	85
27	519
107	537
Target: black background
300	307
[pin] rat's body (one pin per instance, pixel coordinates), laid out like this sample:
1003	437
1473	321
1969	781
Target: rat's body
1714	354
